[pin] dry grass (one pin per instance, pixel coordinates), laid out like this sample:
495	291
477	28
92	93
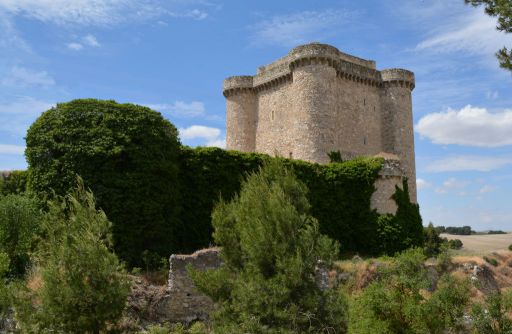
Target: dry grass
481	244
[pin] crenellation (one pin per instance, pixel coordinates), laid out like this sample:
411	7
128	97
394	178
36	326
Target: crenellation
316	100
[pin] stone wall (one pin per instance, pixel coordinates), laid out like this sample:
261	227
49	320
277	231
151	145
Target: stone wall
186	304
316	100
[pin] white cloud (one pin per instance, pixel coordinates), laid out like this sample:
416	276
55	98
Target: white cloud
199	131
475	33
23	77
469	163
75	46
180	108
91	41
290	30
96	12
12	149
211	135
87	40
16	116
422	184
487	189
453	183
217	143
468	126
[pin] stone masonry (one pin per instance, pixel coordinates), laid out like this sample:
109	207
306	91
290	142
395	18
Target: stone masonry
316	100
186	303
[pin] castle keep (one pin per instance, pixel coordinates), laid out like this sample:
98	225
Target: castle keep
316	100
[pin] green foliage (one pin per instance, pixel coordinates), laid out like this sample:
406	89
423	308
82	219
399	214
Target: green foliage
404	230
496	232
19	224
455	244
4	293
408	217
394	303
433	241
335	156
502	9
14	183
491	261
492	317
339	194
464	230
84	287
271	247
196	328
127	154
510	247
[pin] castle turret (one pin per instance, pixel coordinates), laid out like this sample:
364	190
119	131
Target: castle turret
314	103
397	122
241	109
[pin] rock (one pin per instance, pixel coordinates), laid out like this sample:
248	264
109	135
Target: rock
484	280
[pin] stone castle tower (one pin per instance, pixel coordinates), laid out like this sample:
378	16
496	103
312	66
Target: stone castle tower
316	100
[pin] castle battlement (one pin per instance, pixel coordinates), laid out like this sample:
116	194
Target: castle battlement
347	67
317	99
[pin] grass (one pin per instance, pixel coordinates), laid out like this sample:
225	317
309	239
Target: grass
481	244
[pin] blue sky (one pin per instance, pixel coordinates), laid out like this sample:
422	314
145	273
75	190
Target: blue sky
173	55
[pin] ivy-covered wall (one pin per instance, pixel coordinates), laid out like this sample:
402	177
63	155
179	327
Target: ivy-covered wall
339	194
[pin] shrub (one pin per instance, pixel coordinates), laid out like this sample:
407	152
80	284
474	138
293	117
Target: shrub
83	288
510	247
15	183
455	244
433	241
19	224
271	246
492	316
491	261
127	154
4	294
395	302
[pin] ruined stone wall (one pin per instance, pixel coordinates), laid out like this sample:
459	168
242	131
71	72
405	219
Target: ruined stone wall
185	303
390	176
316	100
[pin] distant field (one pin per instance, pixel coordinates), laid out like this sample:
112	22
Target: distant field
482	244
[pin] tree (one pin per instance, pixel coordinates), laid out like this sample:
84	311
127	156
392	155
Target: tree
502	9
13	183
395	303
84	287
127	155
271	247
19	224
433	241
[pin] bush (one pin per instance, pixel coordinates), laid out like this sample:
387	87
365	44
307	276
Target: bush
4	294
83	286
15	183
491	261
492	316
127	154
19	224
395	302
433	241
510	247
455	244
271	247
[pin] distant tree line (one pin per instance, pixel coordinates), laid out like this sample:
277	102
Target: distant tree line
464	230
